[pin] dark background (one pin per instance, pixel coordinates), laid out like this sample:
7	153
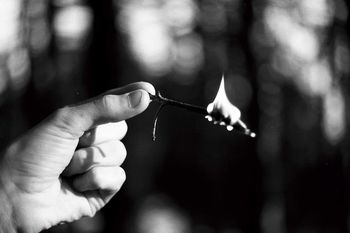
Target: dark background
286	66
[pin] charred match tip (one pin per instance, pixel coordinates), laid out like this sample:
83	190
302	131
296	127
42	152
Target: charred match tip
249	133
244	129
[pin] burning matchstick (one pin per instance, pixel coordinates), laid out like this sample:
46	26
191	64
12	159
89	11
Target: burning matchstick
220	111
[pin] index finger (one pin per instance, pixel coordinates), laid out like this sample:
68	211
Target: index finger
103	133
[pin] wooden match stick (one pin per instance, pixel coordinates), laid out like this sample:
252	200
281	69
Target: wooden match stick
239	126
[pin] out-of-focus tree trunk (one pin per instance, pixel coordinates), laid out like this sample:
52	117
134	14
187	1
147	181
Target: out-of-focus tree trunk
102	60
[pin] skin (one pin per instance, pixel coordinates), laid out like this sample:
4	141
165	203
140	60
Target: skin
68	166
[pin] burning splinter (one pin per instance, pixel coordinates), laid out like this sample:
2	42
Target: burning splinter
221	111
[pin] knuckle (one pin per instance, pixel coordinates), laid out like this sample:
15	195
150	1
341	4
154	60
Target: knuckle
63	117
117	153
68	120
108	102
63	112
119	179
120	129
96	177
95	156
92	210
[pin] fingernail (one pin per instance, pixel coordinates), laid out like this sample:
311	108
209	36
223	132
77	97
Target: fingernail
134	98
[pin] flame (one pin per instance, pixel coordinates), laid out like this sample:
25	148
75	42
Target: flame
222	106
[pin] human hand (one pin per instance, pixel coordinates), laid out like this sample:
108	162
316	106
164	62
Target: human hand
69	165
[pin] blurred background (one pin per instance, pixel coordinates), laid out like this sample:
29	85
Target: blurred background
286	66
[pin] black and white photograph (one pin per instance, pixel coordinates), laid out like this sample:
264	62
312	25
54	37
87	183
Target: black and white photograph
174	116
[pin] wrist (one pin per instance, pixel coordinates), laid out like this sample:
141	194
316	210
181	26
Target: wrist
7	219
12	219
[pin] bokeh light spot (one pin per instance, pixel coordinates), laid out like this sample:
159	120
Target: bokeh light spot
152	46
316	12
9	24
71	24
159	215
315	78
18	64
188	54
334	115
180	15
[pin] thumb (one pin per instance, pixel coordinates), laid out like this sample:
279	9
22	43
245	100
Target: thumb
113	106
